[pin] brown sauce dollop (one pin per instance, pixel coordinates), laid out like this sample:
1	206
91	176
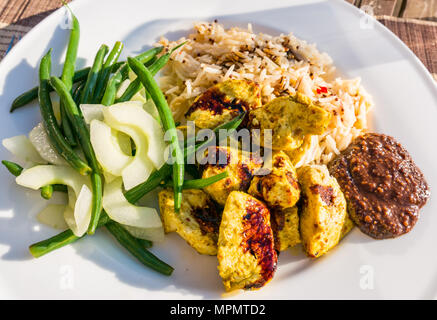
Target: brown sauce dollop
383	186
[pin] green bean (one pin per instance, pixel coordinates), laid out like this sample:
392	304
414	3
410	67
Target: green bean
81	130
50	123
145	243
32	94
66	126
193	171
122	73
106	71
60	240
67	76
137	250
90	84
136	85
13	167
59	187
155	179
47	192
200	183
166	116
78	92
71	55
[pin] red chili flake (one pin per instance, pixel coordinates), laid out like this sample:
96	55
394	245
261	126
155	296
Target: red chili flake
322	90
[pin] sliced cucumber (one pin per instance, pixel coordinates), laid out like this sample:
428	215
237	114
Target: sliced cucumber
52	216
125	143
121	211
140	168
42	175
134	116
106	145
81	213
108	177
152	234
92	112
150	108
22	148
41	141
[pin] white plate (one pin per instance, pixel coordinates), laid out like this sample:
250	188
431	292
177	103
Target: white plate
406	100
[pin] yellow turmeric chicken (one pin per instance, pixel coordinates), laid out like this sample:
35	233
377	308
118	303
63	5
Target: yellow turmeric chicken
223	102
285	224
279	188
240	167
323	212
197	222
290	119
246	254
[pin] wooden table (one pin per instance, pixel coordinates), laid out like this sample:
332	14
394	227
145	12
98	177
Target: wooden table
417	9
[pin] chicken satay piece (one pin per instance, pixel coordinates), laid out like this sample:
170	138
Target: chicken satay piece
197	222
280	188
246	254
290	119
240	166
323	210
285	225
223	102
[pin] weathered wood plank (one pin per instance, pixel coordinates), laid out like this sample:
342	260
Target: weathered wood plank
399	8
421	9
380	7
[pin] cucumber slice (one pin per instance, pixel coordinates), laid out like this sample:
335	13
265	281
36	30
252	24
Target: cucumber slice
52	216
77	214
121	211
124	142
134	116
140	168
92	112
41	141
108	151
22	148
150	108
108	177
42	175
152	234
81	218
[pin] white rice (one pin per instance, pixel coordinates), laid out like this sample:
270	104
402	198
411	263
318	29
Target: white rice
281	65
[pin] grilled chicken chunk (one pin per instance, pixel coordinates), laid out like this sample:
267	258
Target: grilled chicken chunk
197	222
285	225
246	254
279	189
223	102
240	167
323	213
290	119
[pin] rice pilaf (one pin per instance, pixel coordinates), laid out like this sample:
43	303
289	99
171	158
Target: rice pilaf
281	65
